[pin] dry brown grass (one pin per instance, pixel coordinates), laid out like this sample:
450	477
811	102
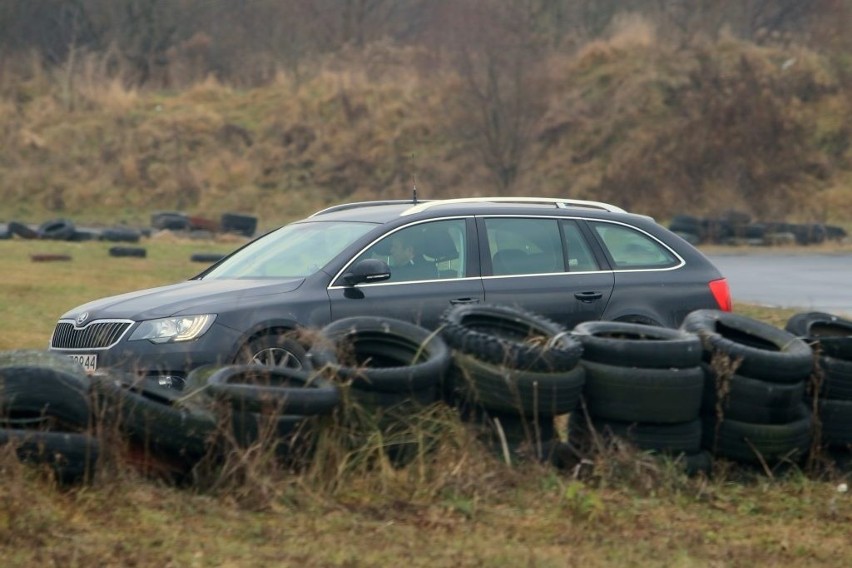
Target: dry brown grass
629	119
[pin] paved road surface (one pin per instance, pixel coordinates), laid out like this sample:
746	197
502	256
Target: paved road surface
810	281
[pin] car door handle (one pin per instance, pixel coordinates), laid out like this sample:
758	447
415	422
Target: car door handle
588	296
457	301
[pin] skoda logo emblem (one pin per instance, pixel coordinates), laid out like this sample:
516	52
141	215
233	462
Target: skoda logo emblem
81	319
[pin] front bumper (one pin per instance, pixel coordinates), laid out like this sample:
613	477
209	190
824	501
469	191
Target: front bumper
145	358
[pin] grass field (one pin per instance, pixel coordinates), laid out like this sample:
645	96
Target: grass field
460	506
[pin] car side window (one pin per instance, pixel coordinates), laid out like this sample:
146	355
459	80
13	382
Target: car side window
524	246
425	251
632	249
578	252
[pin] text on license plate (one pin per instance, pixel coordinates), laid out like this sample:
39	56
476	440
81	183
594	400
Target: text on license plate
89	361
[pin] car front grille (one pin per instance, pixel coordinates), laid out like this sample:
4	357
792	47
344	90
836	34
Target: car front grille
96	335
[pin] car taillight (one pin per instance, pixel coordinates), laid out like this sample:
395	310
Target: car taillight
722	293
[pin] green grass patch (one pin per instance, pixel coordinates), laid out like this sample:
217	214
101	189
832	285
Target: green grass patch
456	505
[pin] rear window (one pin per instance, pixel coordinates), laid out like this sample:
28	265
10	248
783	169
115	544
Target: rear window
632	249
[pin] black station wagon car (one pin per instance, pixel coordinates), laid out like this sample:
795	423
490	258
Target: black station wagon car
567	260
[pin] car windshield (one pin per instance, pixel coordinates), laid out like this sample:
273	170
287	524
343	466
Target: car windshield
293	251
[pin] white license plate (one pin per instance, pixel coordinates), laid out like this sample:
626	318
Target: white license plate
89	361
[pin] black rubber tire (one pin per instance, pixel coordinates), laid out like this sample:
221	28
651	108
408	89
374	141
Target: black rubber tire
829	333
50	257
836	378
170	221
382	354
278	430
157	420
766	352
752	400
39	385
681	437
836	422
502	335
207	257
637	345
72	457
137	252
275	350
685	224
82	235
519	430
525	393
254	388
22	230
626	394
120	235
774	442
245	225
375	400
56	230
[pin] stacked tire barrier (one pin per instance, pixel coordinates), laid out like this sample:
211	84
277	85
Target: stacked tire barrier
644	385
514	371
754	410
390	370
736	228
46	415
830	395
722	386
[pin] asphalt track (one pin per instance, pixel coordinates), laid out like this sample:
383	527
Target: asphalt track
812	282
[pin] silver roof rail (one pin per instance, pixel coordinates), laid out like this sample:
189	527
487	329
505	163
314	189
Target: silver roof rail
556	202
356	205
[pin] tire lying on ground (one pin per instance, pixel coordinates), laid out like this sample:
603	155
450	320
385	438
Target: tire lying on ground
207	257
50	257
160	421
120	235
632	394
22	230
637	345
57	230
72	457
835	422
170	221
136	252
831	335
47	388
238	223
510	337
835	378
255	388
763	351
751	400
758	443
382	354
683	437
524	393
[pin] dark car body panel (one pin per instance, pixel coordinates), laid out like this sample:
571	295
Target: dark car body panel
247	307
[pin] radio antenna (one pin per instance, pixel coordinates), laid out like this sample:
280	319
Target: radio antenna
413	181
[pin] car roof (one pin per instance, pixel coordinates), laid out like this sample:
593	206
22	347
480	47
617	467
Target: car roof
386	211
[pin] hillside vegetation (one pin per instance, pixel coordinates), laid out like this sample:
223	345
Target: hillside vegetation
651	126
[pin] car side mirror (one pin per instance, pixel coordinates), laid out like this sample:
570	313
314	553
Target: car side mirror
368	270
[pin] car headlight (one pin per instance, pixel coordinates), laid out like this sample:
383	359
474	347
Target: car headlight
171	330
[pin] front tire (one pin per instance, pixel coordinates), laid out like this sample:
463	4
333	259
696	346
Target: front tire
275	350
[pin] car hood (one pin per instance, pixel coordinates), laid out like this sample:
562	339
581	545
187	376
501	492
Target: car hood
185	298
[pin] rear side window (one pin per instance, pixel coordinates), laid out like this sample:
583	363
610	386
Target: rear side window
524	246
632	249
580	257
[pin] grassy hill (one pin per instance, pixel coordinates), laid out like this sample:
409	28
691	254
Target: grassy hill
656	128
